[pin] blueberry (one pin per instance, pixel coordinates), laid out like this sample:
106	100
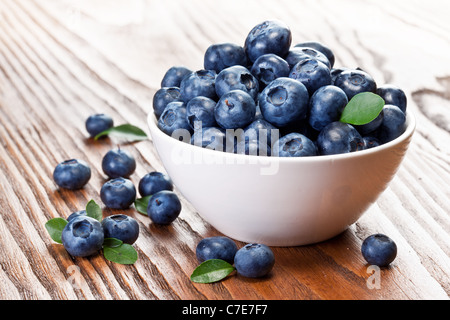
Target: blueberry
326	106
210	137
72	174
122	227
371	126
312	73
354	82
223	55
164	207
295	145
378	249
297	54
254	260
370	142
76	214
154	182
173	76
252	147
268	67
236	78
393	124
200	112
173	118
97	123
198	83
218	247
335	72
118	193
235	109
339	137
284	101
118	163
259	128
393	95
319	47
268	37
82	236
163	97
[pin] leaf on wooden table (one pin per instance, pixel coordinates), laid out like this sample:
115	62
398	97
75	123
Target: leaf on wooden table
126	132
212	270
55	227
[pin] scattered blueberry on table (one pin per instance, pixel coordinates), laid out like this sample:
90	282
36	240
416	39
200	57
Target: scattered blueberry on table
218	247
118	162
154	182
82	236
118	193
378	249
164	207
122	227
254	260
72	174
97	123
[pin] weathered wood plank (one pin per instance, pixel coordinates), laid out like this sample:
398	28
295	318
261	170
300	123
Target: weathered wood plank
61	61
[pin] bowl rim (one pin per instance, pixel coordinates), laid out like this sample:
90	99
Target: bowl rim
409	130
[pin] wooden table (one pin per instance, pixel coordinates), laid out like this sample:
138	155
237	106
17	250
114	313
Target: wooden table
61	61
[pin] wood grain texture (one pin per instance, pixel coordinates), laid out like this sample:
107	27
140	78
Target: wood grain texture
61	61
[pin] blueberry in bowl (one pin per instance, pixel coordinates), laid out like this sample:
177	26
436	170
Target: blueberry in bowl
268	67
163	97
295	145
332	149
312	73
284	101
223	55
236	78
174	117
354	82
319	46
270	36
200	112
298	54
235	109
174	76
198	83
393	95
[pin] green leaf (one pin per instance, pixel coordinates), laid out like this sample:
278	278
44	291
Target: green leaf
362	108
125	131
93	210
211	271
55	227
141	204
123	254
112	242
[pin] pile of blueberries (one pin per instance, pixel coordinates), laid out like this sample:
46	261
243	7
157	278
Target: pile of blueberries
267	85
83	235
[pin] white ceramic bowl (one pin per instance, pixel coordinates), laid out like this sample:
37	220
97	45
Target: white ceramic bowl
280	201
